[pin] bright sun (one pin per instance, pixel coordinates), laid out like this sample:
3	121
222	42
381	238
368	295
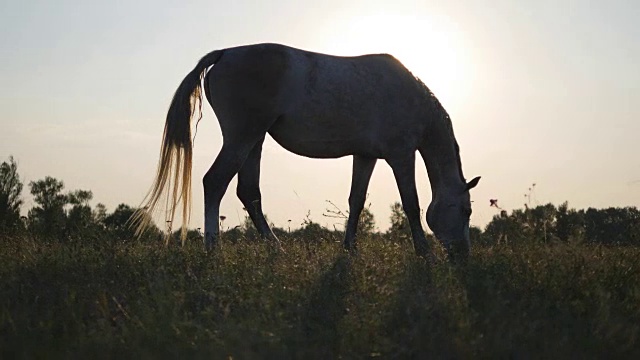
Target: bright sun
431	48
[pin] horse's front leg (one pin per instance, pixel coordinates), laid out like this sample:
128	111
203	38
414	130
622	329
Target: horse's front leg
404	170
362	169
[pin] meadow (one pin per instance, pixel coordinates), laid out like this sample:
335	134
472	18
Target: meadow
109	299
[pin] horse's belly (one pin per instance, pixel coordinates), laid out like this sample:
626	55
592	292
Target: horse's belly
316	138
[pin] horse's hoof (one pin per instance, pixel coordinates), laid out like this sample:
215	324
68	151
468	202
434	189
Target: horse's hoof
209	241
424	253
350	248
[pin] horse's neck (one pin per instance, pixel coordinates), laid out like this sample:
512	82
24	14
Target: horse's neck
442	158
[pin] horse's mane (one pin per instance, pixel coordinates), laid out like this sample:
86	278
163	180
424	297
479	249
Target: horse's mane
444	116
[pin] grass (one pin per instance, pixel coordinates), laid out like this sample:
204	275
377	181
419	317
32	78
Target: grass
314	301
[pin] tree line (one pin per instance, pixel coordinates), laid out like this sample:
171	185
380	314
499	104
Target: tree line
59	215
549	223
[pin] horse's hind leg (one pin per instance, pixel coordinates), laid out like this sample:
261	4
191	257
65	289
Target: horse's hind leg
216	180
404	170
248	191
362	169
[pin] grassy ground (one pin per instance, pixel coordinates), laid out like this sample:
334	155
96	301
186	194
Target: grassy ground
316	302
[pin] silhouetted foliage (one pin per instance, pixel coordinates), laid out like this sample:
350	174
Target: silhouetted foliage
475	234
280	232
233	235
612	225
193	235
117	224
10	196
48	218
400	230
366	222
548	224
80	219
314	232
62	216
569	224
100	214
70	216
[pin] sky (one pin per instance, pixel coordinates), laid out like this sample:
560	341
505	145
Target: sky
544	92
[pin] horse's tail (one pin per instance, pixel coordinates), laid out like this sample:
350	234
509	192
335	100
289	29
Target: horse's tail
173	178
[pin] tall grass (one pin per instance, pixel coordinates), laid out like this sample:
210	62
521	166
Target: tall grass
314	301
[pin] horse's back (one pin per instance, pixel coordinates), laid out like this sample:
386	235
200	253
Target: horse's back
266	71
319	105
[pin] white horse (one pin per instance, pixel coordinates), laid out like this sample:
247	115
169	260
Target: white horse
319	106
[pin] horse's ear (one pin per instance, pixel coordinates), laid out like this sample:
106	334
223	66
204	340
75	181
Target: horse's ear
471	184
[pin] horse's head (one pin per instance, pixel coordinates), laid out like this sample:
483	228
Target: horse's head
448	217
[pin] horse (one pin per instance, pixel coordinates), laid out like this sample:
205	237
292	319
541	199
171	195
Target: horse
319	106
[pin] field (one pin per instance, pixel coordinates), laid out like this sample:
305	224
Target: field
315	301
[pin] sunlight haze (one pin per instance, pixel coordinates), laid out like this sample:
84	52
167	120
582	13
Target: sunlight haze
544	92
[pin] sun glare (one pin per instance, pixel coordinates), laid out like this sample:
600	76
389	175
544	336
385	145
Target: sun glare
432	48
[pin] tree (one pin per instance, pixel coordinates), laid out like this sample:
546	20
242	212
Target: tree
117	223
400	230
80	217
99	215
366	222
475	235
80	197
548	224
612	225
569	224
10	200
312	232
542	222
49	218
